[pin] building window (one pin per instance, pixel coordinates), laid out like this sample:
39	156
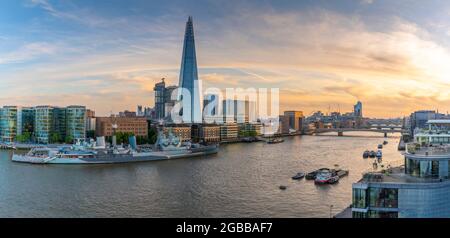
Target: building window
359	198
380	214
422	169
359	215
383	197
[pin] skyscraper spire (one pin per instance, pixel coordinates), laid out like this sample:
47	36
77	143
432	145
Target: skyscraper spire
192	112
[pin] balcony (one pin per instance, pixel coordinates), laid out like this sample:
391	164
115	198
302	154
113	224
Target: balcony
394	173
428	150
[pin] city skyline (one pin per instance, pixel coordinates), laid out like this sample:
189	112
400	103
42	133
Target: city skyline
108	57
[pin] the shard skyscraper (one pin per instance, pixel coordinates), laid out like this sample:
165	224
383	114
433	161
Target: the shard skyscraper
192	111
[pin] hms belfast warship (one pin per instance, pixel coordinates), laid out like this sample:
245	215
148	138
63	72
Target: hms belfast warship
166	147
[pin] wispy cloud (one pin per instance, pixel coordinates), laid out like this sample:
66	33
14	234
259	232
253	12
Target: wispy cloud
316	57
28	52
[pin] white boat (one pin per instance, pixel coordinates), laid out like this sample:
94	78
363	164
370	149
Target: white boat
379	154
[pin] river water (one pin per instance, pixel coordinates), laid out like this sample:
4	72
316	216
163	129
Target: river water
241	181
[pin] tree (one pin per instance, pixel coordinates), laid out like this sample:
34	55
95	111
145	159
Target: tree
122	137
25	137
69	140
152	135
54	138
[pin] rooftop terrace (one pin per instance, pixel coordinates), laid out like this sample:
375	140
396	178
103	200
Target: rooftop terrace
438	150
394	175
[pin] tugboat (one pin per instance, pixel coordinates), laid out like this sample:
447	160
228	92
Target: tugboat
312	175
275	141
298	176
372	154
366	154
326	177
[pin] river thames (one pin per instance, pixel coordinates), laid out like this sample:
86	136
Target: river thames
241	181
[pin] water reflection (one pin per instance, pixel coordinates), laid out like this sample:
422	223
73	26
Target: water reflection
241	181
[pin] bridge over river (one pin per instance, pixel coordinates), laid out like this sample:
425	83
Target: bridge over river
340	131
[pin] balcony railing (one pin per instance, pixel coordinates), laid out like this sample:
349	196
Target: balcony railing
415	148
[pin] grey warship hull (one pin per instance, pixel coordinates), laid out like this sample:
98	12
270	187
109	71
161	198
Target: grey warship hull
102	157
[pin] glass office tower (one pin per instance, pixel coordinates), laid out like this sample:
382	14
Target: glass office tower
75	123
192	111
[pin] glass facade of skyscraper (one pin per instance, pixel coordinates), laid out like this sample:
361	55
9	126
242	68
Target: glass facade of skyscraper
43	122
8	123
192	111
76	122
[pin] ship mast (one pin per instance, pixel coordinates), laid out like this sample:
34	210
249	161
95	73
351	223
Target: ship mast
114	128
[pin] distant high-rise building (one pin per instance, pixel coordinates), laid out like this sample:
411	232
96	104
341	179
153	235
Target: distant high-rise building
169	102
139	111
418	119
160	89
357	109
90	120
292	121
127	113
211	109
192	111
235	111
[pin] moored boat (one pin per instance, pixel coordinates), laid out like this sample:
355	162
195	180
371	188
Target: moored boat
379	154
275	141
326	177
366	154
298	176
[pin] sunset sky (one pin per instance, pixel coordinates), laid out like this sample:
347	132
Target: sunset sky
394	56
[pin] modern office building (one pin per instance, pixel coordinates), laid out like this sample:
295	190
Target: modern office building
189	78
159	90
211	109
136	125
14	121
43	124
90	120
292	122
163	101
435	132
238	111
357	110
75	123
25	120
50	125
419	187
418	119
169	102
